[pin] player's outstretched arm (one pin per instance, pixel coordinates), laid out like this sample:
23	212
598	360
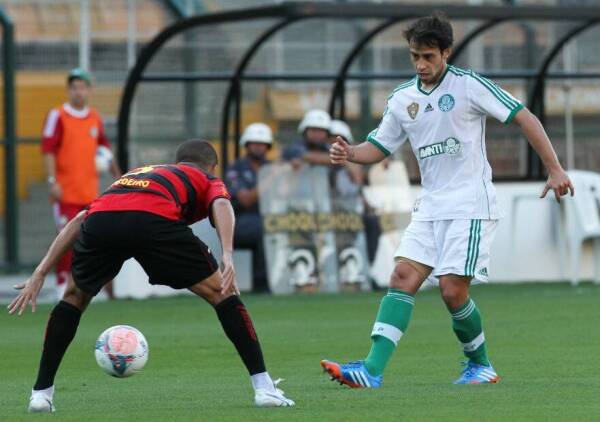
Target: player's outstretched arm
224	218
55	188
532	128
62	243
115	169
365	153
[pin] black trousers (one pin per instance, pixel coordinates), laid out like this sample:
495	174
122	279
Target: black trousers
249	235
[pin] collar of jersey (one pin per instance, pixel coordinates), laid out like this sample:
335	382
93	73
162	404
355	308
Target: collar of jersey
436	85
81	114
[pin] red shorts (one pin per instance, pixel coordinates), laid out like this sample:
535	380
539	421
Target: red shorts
63	213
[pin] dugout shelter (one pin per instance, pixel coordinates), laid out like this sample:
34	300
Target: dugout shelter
180	81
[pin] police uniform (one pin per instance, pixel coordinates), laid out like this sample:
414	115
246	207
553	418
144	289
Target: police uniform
248	227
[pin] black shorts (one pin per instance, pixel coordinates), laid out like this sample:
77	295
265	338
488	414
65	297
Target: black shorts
167	250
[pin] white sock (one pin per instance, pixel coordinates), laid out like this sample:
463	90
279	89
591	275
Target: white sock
48	392
262	381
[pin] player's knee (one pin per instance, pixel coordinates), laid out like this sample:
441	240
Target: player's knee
214	297
220	298
77	297
454	295
212	294
404	279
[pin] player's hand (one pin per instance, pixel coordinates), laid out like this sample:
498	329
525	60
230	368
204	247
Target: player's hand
29	292
339	151
228	284
55	192
559	182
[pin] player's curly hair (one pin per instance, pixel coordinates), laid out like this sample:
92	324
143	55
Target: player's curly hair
431	31
197	151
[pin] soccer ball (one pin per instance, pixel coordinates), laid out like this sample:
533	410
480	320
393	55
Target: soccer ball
121	351
104	157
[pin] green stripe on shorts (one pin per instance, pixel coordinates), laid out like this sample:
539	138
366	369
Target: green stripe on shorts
476	248
473	247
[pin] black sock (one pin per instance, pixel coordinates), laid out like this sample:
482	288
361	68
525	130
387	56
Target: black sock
239	329
61	328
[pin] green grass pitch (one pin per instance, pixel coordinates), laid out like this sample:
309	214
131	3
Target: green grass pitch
544	341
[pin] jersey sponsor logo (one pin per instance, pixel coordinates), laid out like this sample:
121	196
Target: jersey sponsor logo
446	102
126	181
452	146
449	146
413	109
428	108
140	170
94	132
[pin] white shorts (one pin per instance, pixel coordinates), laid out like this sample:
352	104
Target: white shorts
460	247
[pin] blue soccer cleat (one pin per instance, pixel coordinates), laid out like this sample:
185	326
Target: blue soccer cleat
474	373
353	374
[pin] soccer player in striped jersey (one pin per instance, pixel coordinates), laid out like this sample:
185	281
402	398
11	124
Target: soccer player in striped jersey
442	111
145	215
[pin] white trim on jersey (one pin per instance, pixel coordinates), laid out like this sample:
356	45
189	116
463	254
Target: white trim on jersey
81	114
51	122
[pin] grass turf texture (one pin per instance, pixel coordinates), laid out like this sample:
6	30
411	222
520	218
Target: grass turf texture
544	341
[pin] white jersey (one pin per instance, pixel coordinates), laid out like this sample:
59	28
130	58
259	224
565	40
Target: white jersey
446	130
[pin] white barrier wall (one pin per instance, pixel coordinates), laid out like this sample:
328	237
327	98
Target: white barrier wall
525	247
533	253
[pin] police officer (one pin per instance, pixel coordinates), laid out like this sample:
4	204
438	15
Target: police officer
314	129
241	179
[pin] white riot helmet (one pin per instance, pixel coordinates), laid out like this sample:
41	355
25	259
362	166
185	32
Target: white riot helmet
318	119
257	132
341	128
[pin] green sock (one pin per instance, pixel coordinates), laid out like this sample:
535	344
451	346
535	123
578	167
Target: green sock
393	317
466	322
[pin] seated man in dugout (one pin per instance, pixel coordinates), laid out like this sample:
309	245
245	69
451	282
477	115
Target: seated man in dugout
241	179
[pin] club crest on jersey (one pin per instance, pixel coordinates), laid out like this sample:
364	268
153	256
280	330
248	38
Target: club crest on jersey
413	109
94	132
449	146
446	102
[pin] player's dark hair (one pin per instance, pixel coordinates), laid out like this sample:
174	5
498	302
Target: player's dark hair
431	31
198	152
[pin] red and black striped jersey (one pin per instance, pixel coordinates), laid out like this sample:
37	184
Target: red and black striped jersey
174	191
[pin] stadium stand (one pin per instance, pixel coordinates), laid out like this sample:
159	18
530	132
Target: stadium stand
47	38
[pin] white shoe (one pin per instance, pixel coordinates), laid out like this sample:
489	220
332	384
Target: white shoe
269	398
264	398
40	403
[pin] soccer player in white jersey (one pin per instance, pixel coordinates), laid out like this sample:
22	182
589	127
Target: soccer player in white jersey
442	112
